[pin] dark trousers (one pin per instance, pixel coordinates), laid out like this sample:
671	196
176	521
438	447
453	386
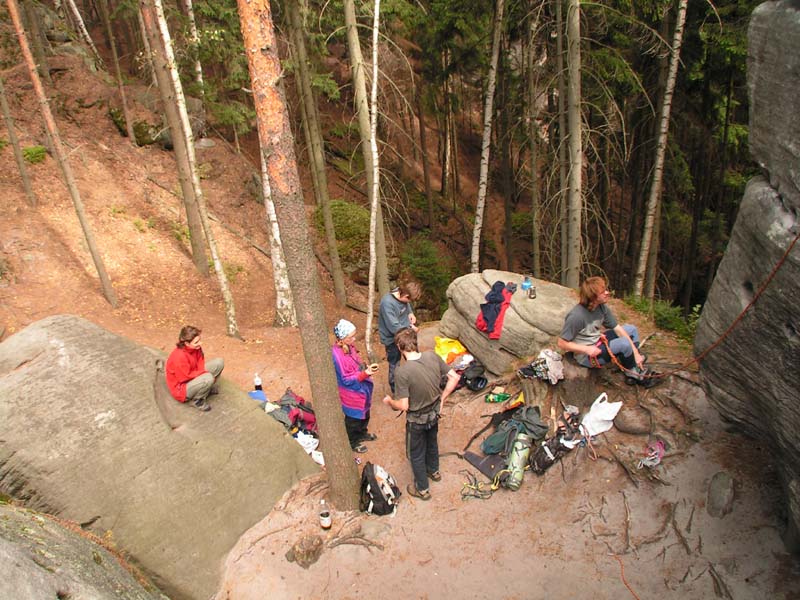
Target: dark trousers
356	429
422	449
393	356
620	347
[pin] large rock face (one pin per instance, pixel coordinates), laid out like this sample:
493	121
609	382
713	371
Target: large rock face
752	376
40	558
529	325
88	432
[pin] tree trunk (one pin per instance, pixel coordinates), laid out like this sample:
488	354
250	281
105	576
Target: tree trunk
316	151
654	200
103	7
83	31
194	38
563	165
149	58
276	140
30	17
376	187
426	175
575	197
531	115
488	112
185	132
12	137
285	315
362	110
165	88
60	155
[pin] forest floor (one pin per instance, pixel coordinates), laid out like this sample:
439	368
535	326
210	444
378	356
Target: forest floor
587	528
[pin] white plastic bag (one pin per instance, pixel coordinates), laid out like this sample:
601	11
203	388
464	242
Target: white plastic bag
601	416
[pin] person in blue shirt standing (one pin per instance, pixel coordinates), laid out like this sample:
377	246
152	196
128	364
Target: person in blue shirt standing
397	313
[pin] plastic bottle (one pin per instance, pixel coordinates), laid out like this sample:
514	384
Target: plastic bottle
526	284
257	382
324	515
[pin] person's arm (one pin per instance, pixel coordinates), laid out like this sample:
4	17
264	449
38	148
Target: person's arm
452	383
620	331
401	404
567	346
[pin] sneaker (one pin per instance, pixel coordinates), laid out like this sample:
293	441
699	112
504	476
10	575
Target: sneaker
369	437
435	476
201	404
214	390
361	448
413	491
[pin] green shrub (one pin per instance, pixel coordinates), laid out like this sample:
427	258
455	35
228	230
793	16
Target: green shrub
3	143
139	224
666	316
426	263
351	224
181	232
34	154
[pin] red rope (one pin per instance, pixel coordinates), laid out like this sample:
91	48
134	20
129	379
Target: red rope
625	581
700	357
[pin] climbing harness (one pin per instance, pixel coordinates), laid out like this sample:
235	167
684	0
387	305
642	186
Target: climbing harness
472	488
653	454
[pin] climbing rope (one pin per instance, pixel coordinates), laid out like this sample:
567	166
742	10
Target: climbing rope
700	357
472	488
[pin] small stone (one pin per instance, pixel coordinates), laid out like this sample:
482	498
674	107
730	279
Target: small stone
720	495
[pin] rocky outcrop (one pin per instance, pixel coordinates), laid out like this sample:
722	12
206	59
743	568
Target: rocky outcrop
530	324
42	558
89	433
751	377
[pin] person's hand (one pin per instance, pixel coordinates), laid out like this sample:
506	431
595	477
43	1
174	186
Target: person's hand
387	400
412	319
414	328
593	351
639	359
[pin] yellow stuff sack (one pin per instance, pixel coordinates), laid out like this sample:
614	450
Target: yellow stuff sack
448	348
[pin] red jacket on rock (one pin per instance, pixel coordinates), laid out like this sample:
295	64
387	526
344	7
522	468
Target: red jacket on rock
183	365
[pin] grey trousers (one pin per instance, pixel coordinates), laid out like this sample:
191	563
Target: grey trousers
200	386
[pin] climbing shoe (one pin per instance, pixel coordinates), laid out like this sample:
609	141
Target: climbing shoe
201	404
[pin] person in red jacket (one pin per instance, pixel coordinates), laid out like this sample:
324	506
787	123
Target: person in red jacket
188	375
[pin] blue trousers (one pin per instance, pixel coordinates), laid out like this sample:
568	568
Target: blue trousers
620	347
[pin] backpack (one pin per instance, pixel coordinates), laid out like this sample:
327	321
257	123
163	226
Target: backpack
525	419
299	411
379	491
474	377
545	456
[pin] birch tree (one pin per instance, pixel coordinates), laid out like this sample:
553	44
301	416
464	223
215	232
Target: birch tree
194	38
275	137
314	143
363	114
84	33
284	302
185	130
654	199
375	195
158	60
488	110
60	155
575	194
12	137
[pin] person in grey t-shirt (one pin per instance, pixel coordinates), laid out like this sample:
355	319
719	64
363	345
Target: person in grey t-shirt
395	314
592	318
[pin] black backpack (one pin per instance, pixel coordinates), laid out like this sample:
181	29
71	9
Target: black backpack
379	491
545	456
474	377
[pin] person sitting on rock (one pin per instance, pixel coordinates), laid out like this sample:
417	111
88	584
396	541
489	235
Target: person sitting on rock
590	330
189	378
354	380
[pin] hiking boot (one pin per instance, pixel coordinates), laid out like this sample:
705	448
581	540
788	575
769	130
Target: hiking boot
369	437
214	390
201	404
413	491
435	476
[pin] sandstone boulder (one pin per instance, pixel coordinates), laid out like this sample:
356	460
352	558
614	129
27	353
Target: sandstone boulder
751	377
41	558
89	433
530	324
